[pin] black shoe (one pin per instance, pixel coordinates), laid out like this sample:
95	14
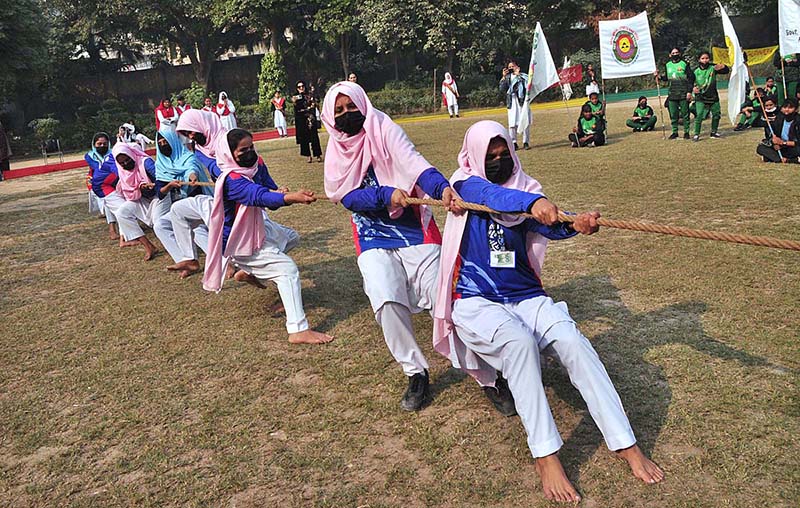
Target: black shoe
458	116
674	135
516	146
715	135
416	392
501	397
526	146
685	135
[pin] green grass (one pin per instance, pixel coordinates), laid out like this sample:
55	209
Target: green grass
121	385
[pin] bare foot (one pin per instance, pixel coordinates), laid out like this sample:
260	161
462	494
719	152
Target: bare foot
277	308
555	483
149	249
242	276
112	233
230	271
186	267
123	243
642	467
309	337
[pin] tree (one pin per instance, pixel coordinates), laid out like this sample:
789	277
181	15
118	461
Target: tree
337	20
202	30
23	46
391	26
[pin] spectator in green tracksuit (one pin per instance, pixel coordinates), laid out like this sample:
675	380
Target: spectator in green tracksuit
706	95
750	115
643	119
770	88
791	74
590	129
681	80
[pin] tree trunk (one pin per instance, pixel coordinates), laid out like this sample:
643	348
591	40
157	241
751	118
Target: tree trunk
275	33
344	53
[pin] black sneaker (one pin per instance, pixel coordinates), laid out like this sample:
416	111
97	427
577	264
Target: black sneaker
516	146
715	135
674	135
685	135
526	146
416	392
739	127
501	397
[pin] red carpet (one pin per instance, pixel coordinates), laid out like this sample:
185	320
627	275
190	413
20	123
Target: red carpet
50	168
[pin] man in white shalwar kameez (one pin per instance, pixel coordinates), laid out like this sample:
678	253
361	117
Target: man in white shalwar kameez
513	85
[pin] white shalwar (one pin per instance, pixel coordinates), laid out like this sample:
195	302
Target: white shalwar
271	263
96	206
450	98
399	282
510	338
279	121
147	210
514	119
228	120
190	216
111	204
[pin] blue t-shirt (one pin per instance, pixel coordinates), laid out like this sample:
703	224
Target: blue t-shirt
373	228
474	274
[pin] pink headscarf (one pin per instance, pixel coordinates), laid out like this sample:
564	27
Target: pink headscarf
471	162
247	234
207	124
129	181
381	143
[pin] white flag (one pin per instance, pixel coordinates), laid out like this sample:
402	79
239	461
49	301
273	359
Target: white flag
626	48
542	73
566	88
738	77
789	26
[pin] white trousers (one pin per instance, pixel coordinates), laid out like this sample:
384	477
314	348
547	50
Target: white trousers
399	282
514	117
452	109
510	337
190	216
95	204
111	205
279	121
147	210
269	263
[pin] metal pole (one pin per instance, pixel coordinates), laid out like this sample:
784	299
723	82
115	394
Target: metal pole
661	110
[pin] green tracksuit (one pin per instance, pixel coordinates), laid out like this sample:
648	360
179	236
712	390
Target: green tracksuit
791	74
647	119
708	97
755	114
681	80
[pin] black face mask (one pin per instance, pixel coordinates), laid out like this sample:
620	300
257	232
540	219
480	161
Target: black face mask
102	150
128	165
200	139
350	123
791	116
675	58
704	66
247	159
498	171
165	149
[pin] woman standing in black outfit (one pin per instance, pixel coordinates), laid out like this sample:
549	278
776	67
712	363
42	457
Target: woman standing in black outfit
305	123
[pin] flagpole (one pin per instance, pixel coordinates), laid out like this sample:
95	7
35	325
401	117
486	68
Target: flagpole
783	77
661	109
763	109
605	105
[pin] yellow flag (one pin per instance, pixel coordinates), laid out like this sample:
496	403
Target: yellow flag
754	56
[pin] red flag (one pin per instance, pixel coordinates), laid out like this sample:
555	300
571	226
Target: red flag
572	74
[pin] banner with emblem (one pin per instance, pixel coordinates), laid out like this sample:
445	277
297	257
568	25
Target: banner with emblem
626	48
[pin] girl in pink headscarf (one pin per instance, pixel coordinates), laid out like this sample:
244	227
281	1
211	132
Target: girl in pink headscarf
145	200
239	232
492	313
371	167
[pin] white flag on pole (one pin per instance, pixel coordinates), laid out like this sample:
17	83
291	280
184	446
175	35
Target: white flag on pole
789	26
566	88
626	48
738	76
542	72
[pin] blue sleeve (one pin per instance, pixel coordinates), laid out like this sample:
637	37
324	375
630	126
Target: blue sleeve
558	231
433	183
249	193
209	163
93	164
97	186
370	199
150	169
480	191
263	177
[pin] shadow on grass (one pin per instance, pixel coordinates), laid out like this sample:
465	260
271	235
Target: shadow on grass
624	348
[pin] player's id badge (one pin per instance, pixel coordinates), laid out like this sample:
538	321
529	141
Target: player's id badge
502	259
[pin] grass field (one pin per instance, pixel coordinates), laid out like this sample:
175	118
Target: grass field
122	385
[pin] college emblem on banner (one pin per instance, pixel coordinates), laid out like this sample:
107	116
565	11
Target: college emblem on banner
625	44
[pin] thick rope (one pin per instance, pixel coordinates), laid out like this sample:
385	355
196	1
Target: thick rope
197	184
761	241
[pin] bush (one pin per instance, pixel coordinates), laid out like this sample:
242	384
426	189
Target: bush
194	95
44	128
271	78
253	117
